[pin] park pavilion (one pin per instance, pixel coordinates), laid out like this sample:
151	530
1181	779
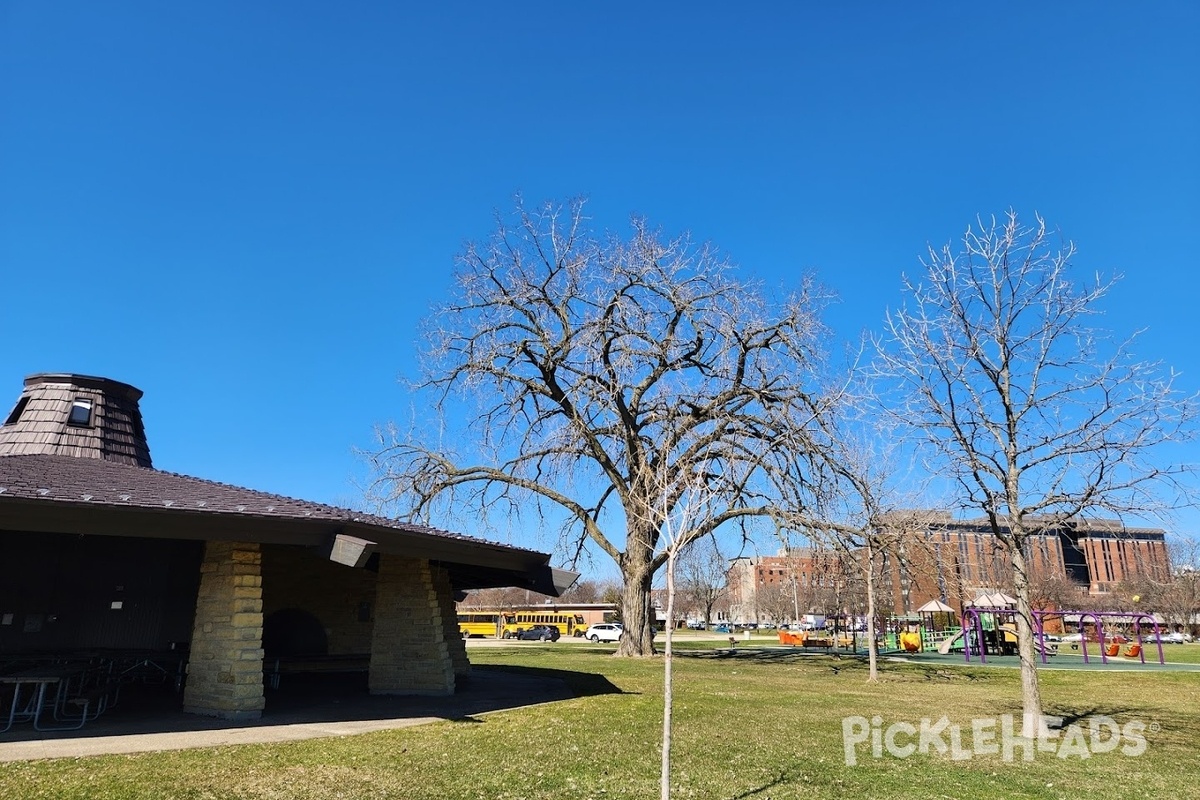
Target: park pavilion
104	553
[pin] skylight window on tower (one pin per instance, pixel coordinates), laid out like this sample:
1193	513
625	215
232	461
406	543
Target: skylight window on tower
17	411
81	412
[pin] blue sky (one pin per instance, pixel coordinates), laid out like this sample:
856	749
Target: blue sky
245	208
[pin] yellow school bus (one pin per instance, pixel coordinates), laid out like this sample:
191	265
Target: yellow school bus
568	624
478	624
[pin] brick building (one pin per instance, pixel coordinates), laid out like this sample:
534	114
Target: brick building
104	553
952	561
786	586
955	560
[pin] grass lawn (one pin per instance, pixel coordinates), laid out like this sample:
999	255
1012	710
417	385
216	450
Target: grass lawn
746	727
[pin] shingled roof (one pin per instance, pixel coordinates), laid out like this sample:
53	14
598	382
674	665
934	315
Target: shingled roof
79	416
85	485
86	482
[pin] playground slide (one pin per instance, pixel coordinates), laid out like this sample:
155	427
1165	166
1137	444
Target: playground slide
949	643
1010	636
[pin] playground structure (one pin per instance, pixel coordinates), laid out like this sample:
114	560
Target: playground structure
1001	636
1137	649
994	627
989	628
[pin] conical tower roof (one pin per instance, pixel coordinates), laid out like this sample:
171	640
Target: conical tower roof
77	415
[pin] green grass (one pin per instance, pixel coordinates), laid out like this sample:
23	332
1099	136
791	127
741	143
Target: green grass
745	727
1176	653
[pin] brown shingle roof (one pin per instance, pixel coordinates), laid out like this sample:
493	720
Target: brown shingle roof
94	477
113	431
87	482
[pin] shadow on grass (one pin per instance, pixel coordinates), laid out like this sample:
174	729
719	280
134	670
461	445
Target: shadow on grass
783	778
581	684
1075	715
836	662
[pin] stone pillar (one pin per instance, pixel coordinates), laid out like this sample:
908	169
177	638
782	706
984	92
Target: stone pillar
225	675
454	641
408	646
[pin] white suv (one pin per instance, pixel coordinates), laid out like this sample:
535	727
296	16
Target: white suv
605	632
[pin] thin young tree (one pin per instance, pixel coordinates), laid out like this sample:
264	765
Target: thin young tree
863	498
1035	415
599	363
692	499
864	529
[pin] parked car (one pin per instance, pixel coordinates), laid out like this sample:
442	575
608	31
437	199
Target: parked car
604	632
541	633
722	628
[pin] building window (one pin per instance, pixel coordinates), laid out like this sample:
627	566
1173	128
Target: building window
81	412
17	411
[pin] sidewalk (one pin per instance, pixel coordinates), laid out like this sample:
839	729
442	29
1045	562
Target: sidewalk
319	707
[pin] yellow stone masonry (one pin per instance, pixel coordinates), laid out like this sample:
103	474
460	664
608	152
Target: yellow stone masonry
409	650
225	676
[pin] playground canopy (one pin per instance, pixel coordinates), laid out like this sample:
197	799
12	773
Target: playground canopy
935	607
997	600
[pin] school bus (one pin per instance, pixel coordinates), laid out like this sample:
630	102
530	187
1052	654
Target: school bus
478	624
568	624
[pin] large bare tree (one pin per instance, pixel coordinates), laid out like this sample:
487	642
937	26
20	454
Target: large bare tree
600	363
1036	416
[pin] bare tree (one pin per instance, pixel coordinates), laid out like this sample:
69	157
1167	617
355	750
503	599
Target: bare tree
701	581
1179	599
863	536
583	591
1037	417
1056	592
776	600
861	514
501	597
688	502
601	363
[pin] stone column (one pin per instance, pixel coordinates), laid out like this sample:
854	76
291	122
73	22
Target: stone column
454	641
225	670
408	646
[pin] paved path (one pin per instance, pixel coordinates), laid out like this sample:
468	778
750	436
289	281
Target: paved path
321	708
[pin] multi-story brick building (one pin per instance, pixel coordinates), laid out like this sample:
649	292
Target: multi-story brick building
953	561
786	586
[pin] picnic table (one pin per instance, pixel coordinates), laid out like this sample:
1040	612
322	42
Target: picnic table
39	679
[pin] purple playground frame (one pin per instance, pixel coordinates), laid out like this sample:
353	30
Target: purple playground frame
972	626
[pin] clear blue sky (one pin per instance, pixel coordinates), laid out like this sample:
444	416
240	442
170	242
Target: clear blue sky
245	208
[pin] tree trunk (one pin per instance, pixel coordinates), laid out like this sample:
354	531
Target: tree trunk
872	646
665	781
1031	694
636	615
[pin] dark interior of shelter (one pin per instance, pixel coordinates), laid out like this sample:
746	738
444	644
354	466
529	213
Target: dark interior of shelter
59	591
